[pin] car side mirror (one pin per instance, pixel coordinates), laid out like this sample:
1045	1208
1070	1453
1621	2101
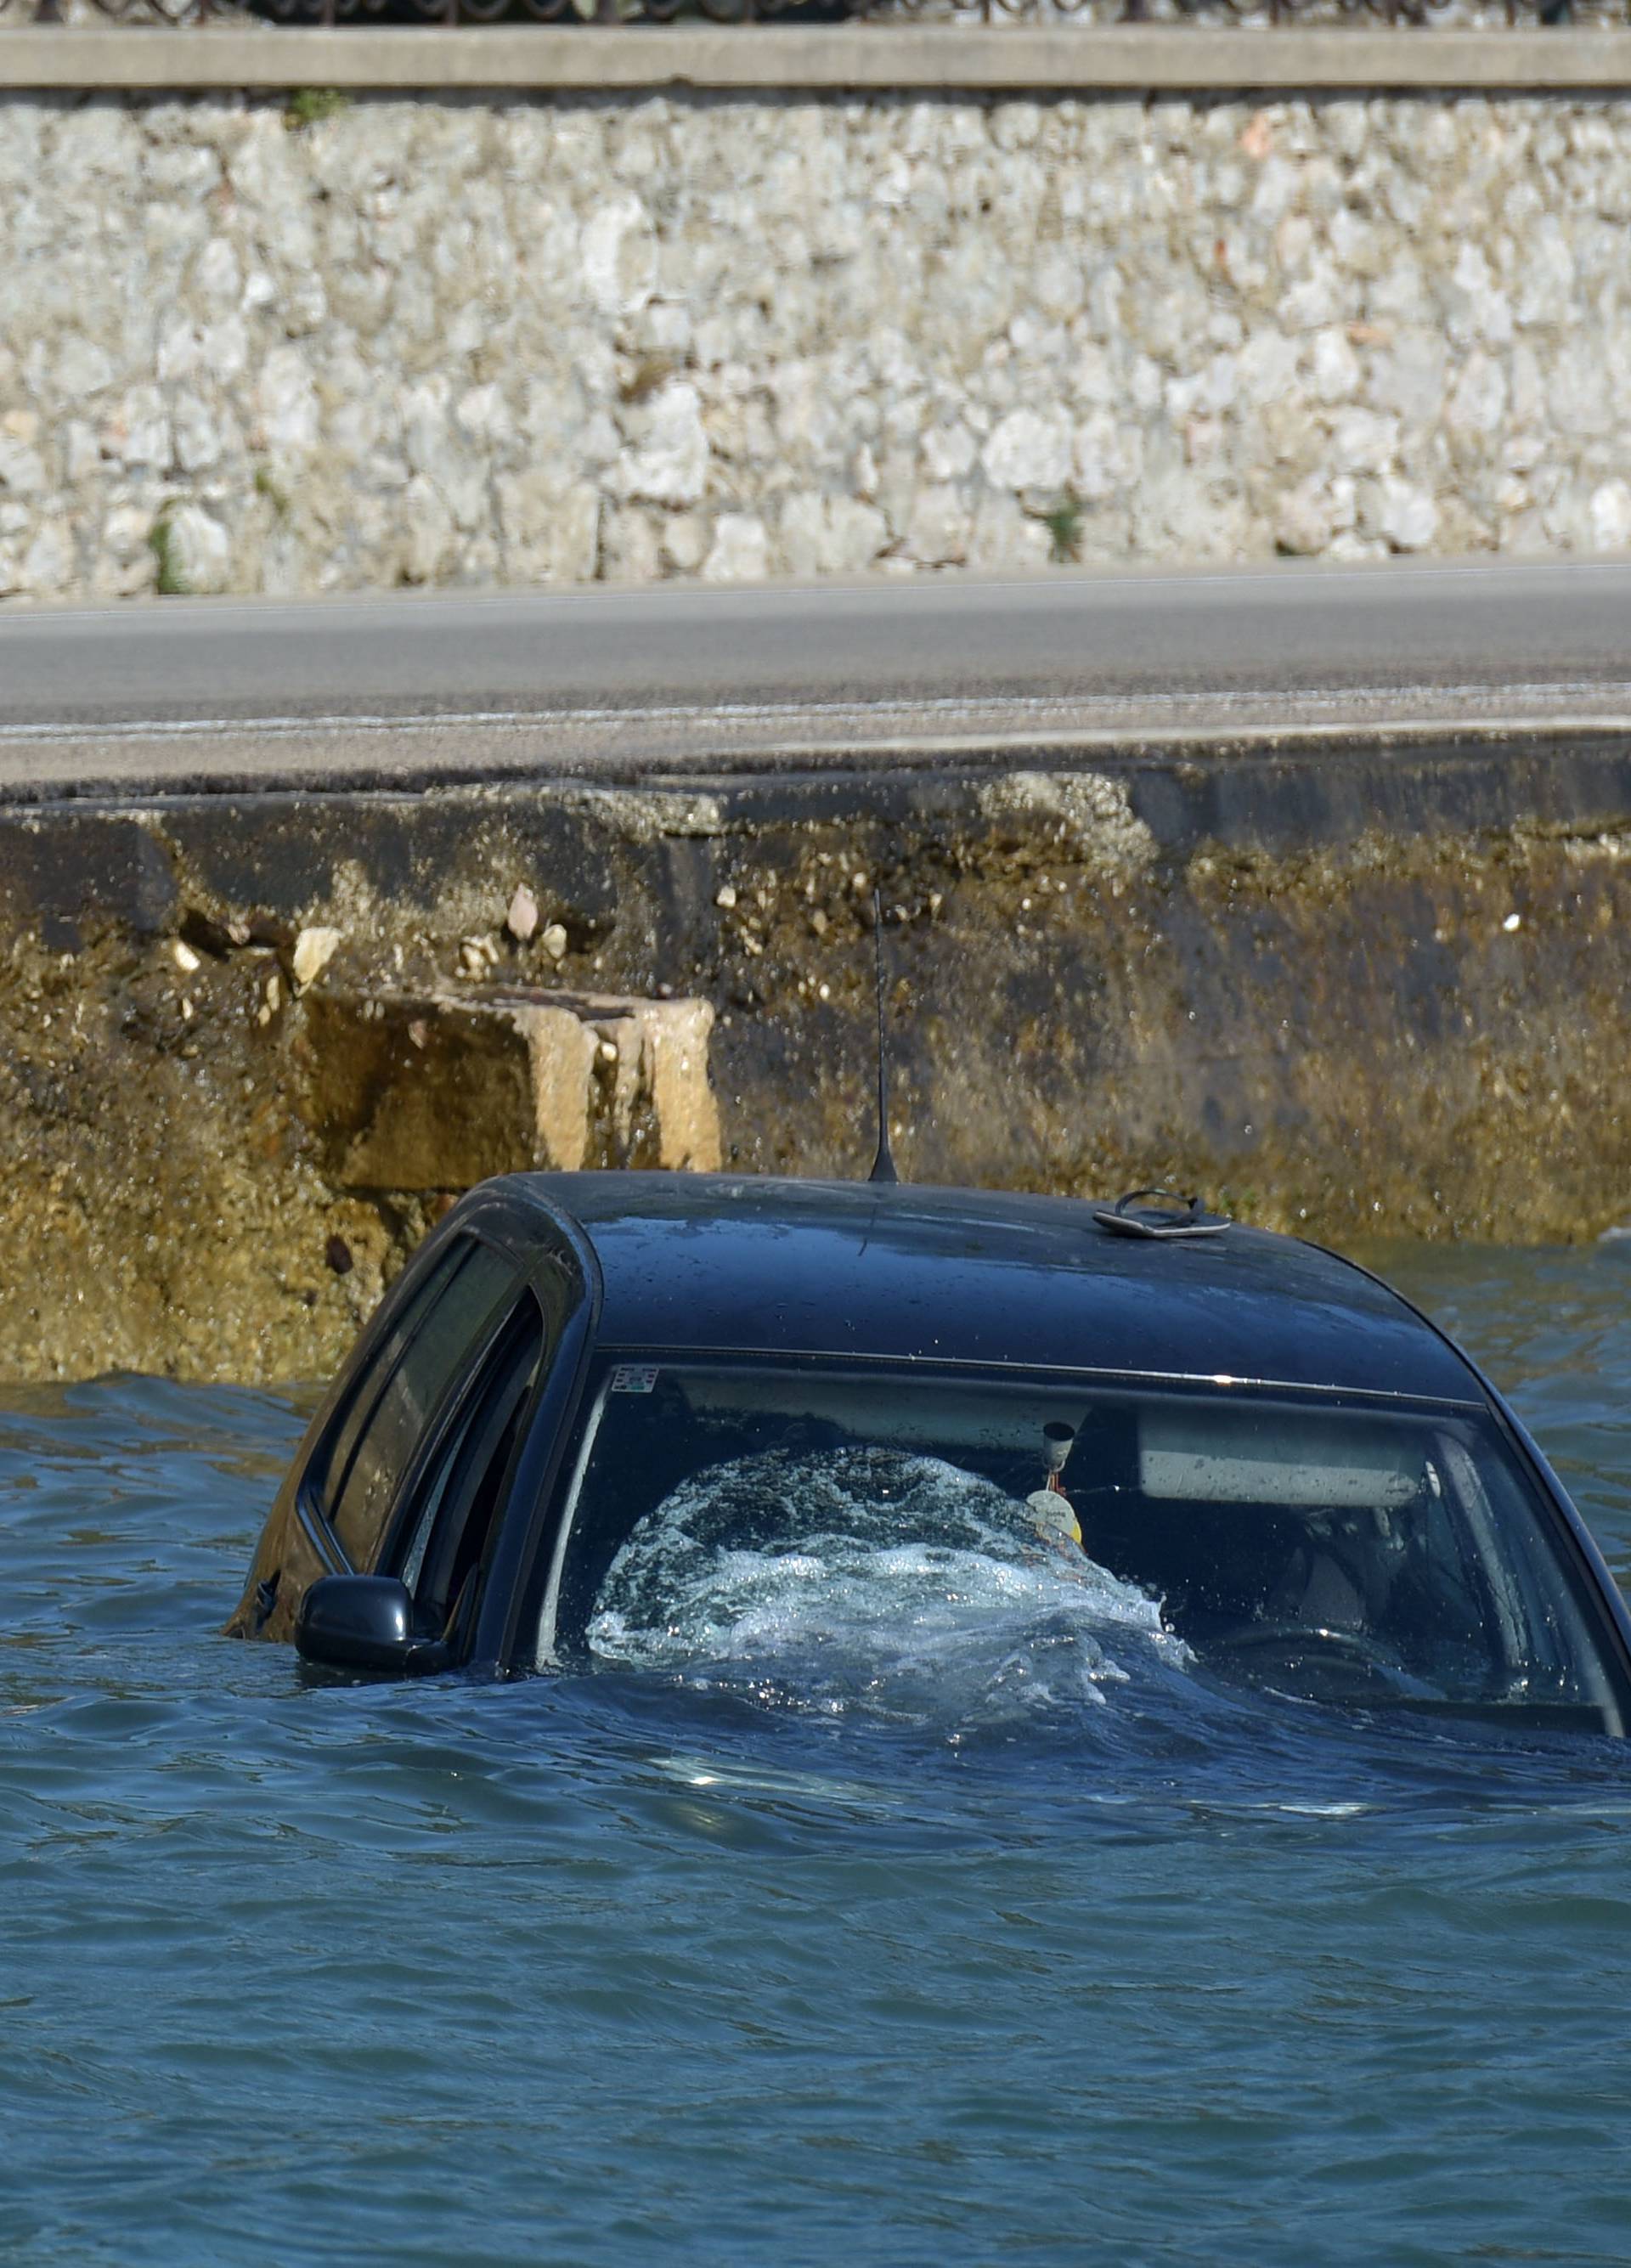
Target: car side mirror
364	1622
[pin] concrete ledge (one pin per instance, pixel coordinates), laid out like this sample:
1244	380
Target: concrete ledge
1386	992
954	58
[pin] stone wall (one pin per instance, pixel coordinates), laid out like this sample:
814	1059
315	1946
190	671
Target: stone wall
245	346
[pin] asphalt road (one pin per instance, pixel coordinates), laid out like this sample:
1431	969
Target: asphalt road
186	694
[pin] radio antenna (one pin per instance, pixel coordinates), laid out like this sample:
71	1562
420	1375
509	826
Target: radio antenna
882	1164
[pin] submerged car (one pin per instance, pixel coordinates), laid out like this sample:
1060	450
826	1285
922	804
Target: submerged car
623	1418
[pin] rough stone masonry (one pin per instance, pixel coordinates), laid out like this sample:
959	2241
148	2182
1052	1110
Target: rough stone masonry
257	349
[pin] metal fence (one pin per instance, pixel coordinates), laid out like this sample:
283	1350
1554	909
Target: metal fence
634	13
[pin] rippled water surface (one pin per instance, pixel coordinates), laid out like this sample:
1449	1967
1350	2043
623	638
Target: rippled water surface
618	1969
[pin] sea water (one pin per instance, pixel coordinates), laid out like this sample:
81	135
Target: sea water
797	1931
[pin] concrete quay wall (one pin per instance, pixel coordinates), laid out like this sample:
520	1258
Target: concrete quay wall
733	331
250	1044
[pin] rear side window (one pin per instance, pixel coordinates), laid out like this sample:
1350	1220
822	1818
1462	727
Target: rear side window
357	1474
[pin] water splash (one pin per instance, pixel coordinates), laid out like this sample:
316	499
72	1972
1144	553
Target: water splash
868	1580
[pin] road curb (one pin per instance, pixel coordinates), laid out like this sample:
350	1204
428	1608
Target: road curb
947	58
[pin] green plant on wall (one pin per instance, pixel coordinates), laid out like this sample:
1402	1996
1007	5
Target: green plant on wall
171	584
309	106
266	487
1064	526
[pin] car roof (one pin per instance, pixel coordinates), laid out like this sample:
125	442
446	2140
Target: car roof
743	1263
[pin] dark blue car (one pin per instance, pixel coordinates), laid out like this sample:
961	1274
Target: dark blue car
623	1419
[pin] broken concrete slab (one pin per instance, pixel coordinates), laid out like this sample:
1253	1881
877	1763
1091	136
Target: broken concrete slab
432	1091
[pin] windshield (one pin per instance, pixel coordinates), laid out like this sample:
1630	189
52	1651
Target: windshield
1330	1548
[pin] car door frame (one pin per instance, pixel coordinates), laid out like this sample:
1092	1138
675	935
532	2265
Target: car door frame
521	1523
548	1234
315	1521
534	1232
538	1231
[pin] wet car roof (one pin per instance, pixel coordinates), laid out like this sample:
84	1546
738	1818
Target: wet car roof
800	1266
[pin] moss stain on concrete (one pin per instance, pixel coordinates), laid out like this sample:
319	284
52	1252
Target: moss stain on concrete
1344	1002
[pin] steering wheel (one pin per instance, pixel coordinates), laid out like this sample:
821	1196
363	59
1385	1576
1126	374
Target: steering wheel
1354	1650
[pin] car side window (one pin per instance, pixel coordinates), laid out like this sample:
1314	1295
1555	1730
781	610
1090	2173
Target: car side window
356	1473
449	1516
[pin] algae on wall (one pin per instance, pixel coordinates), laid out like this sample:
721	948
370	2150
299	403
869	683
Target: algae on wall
1342	993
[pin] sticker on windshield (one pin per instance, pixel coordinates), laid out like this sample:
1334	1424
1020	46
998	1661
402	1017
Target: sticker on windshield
633	1378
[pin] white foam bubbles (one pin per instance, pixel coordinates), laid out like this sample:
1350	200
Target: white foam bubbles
874	1580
